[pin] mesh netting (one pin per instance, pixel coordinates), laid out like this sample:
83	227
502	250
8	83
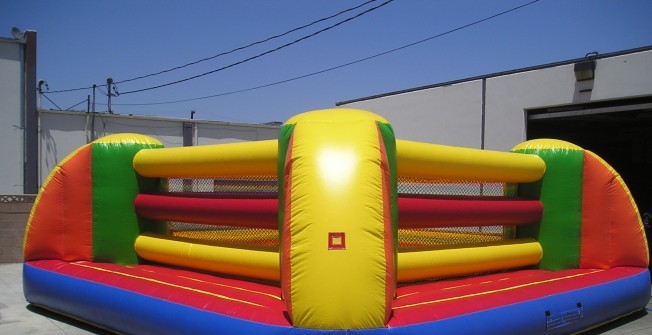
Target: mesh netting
225	235
249	186
236	187
265	186
453	187
439	237
419	238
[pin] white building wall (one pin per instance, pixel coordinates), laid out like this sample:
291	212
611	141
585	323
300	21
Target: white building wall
507	98
453	114
60	135
167	131
11	117
627	75
62	132
207	133
449	115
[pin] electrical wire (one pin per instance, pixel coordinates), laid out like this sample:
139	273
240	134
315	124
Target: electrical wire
338	66
248	45
45	96
258	55
75	105
77	89
222	53
102	91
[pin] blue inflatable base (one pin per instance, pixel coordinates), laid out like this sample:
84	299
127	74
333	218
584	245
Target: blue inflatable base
134	313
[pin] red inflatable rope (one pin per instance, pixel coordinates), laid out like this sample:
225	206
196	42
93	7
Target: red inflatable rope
249	213
436	213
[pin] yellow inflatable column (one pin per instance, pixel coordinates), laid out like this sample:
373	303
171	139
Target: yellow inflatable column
338	206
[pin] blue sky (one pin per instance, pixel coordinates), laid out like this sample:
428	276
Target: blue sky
81	43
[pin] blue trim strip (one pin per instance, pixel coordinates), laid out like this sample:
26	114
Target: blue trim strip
600	304
128	312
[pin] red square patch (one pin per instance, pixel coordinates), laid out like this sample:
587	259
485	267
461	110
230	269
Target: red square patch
336	241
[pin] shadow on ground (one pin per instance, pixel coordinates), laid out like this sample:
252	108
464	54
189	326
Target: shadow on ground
67	320
618	323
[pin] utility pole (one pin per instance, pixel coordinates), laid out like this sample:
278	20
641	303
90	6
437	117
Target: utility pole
109	83
31	117
40	92
93	116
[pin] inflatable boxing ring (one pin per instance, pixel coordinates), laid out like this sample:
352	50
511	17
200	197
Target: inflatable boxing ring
335	228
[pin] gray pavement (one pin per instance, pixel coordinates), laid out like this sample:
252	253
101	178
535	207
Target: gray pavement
19	318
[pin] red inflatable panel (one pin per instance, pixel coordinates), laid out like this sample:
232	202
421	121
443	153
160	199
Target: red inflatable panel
207	293
249	213
449	298
413	212
55	233
434	213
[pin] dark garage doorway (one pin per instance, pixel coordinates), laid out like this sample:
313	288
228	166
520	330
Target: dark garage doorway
618	131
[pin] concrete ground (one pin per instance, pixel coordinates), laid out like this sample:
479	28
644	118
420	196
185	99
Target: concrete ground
19	318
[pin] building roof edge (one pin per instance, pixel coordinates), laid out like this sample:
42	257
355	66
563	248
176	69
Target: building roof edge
497	74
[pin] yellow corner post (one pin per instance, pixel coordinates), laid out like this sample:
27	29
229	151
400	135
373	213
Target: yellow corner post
337	254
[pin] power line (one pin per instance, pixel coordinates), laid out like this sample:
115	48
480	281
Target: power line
75	105
76	89
222	53
248	45
45	96
102	91
259	55
341	65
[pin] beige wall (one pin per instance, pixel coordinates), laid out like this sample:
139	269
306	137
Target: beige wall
14	211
